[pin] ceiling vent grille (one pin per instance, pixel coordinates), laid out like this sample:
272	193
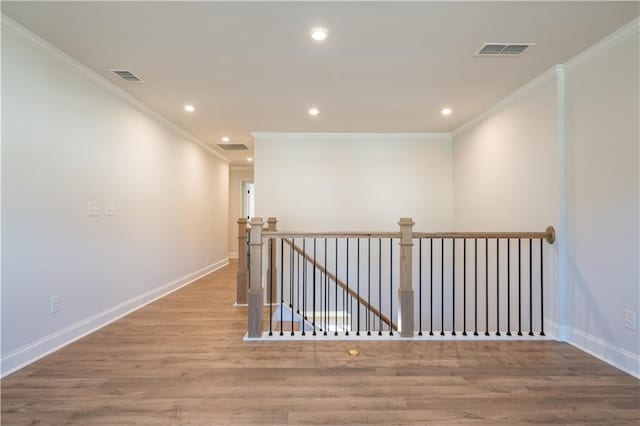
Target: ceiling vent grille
127	76
233	146
503	49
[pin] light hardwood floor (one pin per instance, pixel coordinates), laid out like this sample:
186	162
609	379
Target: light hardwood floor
181	360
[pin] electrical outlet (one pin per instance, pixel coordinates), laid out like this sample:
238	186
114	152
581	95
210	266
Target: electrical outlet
54	305
630	320
93	208
110	209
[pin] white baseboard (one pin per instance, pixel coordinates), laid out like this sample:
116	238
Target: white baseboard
613	355
297	336
618	357
551	329
233	255
266	305
57	340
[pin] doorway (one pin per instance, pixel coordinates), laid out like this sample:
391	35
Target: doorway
248	199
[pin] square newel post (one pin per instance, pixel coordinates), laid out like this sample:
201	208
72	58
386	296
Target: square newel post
256	291
405	292
272	270
242	275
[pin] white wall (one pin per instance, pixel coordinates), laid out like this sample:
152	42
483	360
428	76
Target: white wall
355	182
603	118
237	175
509	173
505	167
68	139
321	182
506	179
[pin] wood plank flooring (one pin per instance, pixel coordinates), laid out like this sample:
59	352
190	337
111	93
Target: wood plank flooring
181	360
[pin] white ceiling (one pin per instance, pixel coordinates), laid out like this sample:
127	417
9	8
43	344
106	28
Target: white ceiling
386	67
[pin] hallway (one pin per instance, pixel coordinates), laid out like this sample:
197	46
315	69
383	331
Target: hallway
181	360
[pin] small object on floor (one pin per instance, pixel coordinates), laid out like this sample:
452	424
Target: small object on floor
353	352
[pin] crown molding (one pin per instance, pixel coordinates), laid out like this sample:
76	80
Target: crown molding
395	137
545	77
15	28
630	29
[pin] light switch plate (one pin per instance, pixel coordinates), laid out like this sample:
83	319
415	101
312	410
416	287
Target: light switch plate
93	208
110	209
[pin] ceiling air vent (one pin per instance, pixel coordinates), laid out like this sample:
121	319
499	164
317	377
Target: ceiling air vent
233	146
503	49
127	76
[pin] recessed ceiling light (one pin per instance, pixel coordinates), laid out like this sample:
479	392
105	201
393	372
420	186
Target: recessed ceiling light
249	159
314	111
319	33
225	139
446	111
189	108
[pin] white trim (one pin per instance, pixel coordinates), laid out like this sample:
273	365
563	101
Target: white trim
611	40
57	340
385	336
241	168
233	255
563	215
15	28
546	76
614	355
551	329
239	305
395	137
628	30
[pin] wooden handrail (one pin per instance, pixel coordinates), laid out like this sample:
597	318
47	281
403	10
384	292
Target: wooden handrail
341	284
332	234
549	235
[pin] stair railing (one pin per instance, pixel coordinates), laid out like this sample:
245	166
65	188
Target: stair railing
358	283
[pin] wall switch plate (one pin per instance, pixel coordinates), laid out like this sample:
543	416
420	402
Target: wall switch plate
54	305
630	321
93	208
110	209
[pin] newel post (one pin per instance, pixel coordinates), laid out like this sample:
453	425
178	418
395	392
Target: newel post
242	275
405	292
272	270
256	291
